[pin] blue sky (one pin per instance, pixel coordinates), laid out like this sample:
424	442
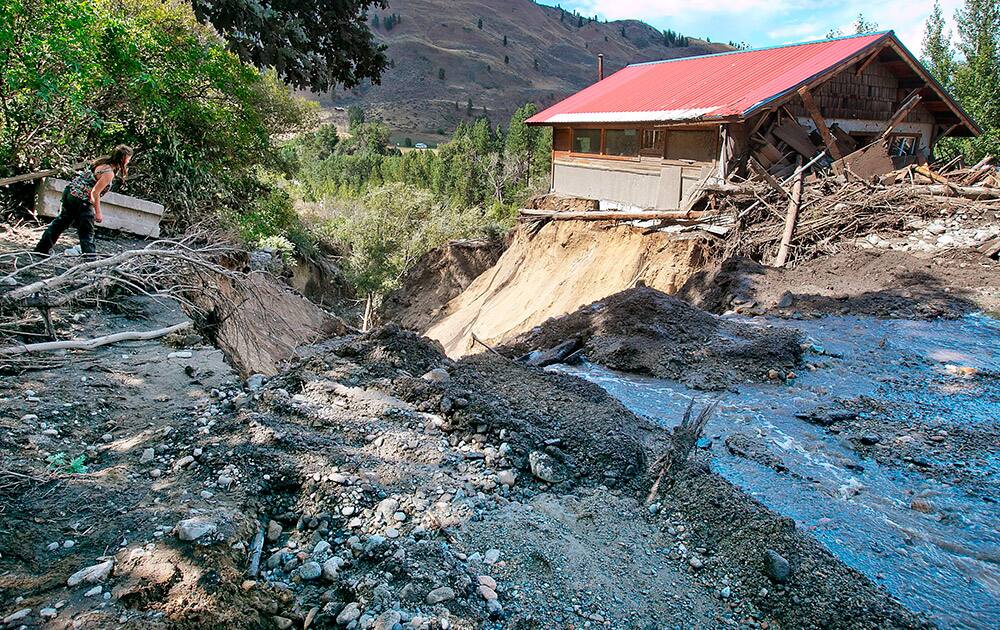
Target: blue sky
769	22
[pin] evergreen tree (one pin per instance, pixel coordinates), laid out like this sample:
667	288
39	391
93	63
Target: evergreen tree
536	64
468	108
937	53
506	60
480	24
375	21
977	79
579	22
441	74
505	40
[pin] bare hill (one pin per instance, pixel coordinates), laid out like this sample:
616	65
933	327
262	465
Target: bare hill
441	59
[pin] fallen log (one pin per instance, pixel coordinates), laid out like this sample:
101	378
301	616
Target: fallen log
92	344
27	177
794	204
967	192
610	215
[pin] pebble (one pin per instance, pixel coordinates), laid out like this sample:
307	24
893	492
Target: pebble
391	532
147	456
507	477
94	591
487	593
387	620
437	375
440	594
726	592
187	460
48	613
183	354
92	574
776	567
350	613
696	562
485	580
273	531
16	616
330	568
491	556
321	548
191	529
224	481
283	623
310	571
156	473
544	467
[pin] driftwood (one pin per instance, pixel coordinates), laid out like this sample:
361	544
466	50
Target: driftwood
682	441
92	344
967	192
255	551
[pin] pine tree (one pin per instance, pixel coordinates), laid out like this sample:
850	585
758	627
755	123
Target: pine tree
468	108
536	64
937	54
505	41
441	74
506	60
375	22
579	22
480	24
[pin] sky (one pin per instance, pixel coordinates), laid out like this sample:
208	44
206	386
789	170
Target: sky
770	22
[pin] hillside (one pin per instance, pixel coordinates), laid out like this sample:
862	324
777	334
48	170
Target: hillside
549	56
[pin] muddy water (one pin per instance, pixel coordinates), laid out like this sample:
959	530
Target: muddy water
946	563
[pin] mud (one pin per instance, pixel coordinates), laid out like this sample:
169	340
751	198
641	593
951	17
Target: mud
856	281
644	331
438	277
558	268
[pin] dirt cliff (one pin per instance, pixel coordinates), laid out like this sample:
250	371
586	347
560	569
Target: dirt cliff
558	269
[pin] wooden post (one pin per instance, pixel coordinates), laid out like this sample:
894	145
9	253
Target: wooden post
793	216
817	118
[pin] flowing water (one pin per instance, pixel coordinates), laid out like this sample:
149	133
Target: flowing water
945	563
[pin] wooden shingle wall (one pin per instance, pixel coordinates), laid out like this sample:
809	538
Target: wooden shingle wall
873	95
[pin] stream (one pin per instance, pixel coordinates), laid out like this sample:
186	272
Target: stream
944	562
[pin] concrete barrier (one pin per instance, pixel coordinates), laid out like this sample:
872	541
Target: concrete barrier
121	212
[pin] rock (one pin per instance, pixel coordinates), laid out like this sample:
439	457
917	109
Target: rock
507	477
544	467
94	591
387	620
486	580
273	531
776	567
48	613
350	613
310	571
183	354
147	456
330	568
491	556
870	439
191	529
787	299
156	473
391	532
493	607
726	592
256	381
440	594
187	460
92	574
16	616
487	593
437	375
53	546
386	508
283	623
922	505
224	481
321	548
696	562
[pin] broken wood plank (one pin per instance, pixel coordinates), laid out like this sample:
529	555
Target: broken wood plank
794	203
870	161
817	117
796	136
912	101
846	143
967	192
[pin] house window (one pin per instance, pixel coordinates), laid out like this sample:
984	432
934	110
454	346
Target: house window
621	142
698	146
586	140
904	144
652	141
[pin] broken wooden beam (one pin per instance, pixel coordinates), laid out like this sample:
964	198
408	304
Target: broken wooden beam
817	117
49	172
912	101
609	215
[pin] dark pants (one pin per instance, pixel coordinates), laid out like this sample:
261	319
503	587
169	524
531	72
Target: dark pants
76	212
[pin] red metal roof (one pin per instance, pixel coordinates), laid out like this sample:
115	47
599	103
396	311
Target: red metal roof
722	85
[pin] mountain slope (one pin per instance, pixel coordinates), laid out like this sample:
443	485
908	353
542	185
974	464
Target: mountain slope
441	59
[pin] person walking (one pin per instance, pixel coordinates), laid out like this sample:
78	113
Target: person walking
81	200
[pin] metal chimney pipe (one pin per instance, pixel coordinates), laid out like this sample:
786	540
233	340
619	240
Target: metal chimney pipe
600	67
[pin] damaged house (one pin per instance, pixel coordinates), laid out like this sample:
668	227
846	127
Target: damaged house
651	134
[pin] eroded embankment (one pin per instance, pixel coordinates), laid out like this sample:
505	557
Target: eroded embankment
559	268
